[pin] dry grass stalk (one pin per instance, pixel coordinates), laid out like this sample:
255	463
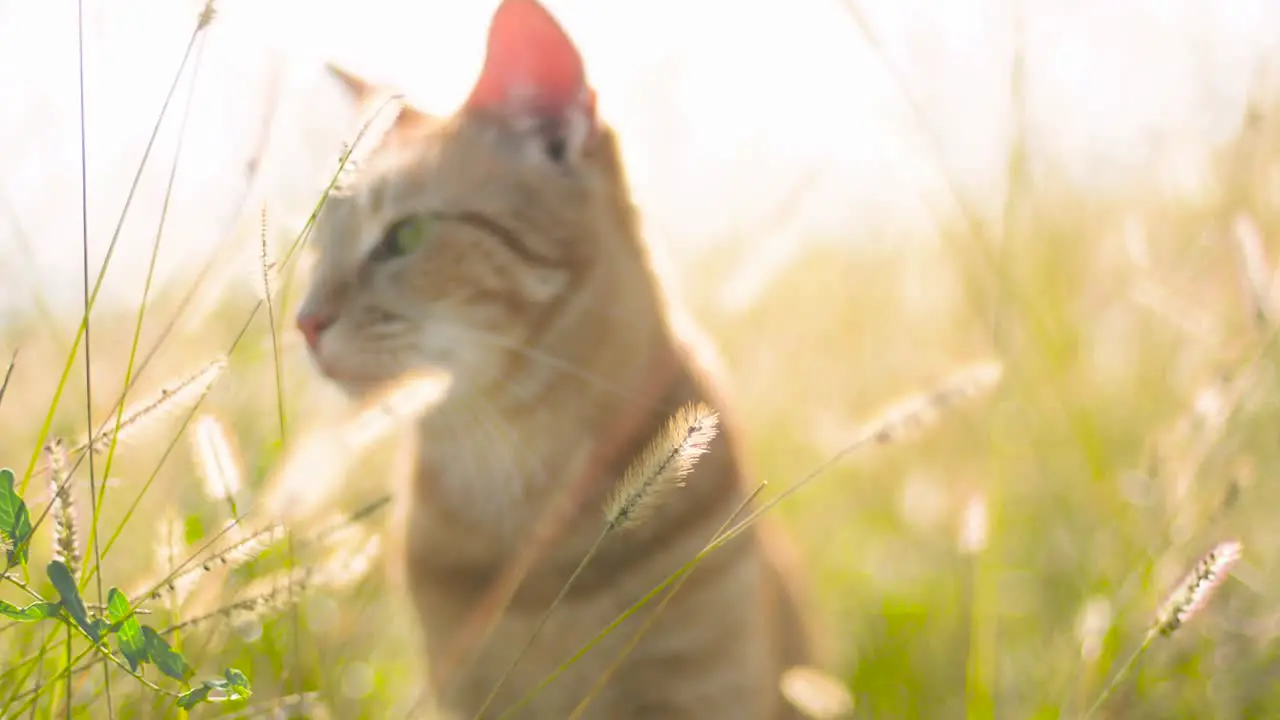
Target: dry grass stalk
234	555
663	465
267	271
1178	455
245	549
316	464
353	551
66	535
916	412
405	399
267	596
1255	270
351	555
185	392
1179	313
8	375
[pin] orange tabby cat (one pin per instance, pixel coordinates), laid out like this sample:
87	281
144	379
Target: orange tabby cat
502	246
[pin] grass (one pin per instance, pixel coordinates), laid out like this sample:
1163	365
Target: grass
1027	556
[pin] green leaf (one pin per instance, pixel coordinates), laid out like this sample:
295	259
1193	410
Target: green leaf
118	610
194	696
15	520
169	661
30	613
238	682
193	530
65	584
128	632
234	687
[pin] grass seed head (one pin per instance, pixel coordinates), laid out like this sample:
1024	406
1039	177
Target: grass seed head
1193	593
663	465
66	534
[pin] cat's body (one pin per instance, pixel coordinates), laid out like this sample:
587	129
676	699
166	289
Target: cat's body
718	647
501	245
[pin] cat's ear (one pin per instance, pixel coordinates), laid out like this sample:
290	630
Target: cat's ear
361	91
370	98
533	75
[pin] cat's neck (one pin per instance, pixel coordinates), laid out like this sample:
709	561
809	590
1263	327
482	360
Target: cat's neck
486	460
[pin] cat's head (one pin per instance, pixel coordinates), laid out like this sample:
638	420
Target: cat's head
461	240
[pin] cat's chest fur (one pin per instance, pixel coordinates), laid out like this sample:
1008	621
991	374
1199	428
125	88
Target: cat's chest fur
453	563
481	478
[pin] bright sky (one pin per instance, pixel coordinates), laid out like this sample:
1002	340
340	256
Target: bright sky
763	121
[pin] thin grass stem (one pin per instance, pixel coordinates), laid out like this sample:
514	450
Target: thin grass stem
102	271
653	616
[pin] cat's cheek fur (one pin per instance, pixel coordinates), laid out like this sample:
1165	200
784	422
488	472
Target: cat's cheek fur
456	350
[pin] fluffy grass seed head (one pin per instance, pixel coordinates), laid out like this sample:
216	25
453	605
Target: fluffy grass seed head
66	535
1195	590
915	412
141	415
354	551
1255	269
267	272
243	548
974	525
215	459
815	693
264	597
1092	626
349	555
664	464
208	12
313	469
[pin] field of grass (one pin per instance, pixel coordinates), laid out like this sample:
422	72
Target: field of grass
1009	559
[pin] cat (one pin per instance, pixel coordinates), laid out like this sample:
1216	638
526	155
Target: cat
501	245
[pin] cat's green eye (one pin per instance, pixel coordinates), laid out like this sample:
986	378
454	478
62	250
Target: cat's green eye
403	237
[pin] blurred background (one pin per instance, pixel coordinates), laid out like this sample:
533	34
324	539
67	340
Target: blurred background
855	198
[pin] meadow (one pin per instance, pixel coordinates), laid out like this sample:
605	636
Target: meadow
1022	554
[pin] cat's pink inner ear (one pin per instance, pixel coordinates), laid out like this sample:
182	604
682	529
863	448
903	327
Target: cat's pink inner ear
530	64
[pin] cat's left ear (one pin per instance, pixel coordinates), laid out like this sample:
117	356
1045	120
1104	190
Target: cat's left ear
533	76
368	96
359	90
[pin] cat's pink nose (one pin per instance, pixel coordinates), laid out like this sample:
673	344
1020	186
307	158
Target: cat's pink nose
311	325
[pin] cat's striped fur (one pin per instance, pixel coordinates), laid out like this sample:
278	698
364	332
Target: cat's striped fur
520	271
